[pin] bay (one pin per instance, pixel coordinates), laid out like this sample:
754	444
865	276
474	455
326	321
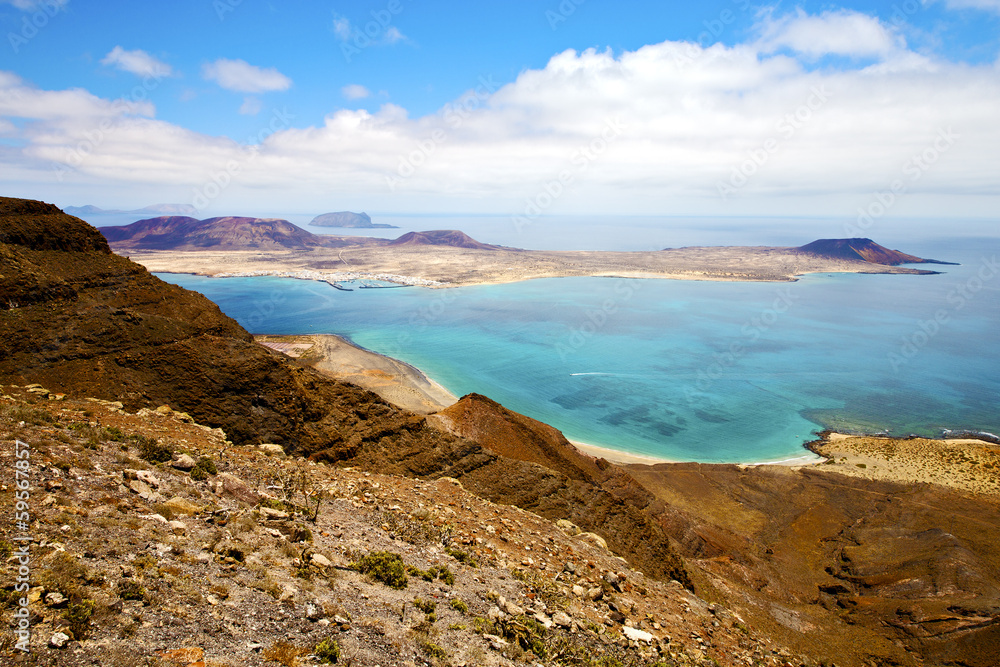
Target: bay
684	370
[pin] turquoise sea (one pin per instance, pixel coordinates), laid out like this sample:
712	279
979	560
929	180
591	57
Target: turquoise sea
701	371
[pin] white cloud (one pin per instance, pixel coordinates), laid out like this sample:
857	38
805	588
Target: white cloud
393	35
242	77
688	115
137	62
342	28
355	91
251	106
373	32
842	32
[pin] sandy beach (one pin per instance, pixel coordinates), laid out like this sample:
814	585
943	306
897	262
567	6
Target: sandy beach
395	381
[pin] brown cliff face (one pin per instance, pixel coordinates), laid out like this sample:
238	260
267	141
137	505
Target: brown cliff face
899	574
80	320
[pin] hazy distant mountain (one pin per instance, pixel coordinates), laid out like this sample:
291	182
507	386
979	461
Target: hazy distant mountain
863	249
445	237
348	219
163	209
185	233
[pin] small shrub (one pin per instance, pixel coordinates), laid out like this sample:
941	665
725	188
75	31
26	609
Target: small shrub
459	606
131	590
462	557
432	650
78	616
285	653
114	434
198	474
385	567
327	651
152	451
208	465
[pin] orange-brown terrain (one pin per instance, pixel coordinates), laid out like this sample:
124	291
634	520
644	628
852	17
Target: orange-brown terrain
772	566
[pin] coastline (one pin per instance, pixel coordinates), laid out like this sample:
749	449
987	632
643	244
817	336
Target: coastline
396	381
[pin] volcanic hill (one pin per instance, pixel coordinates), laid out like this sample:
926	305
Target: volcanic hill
228	232
863	249
442	237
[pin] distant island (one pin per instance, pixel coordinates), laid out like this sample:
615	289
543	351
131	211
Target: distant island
348	219
269	246
162	209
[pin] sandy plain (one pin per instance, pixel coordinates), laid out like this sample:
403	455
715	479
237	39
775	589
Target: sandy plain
960	463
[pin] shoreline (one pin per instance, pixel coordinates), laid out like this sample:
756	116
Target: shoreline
409	387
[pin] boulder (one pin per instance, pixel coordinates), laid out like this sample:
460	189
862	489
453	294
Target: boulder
180	505
184	462
637	635
568	527
594	539
236	488
271	449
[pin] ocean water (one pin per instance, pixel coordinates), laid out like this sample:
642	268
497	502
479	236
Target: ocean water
685	370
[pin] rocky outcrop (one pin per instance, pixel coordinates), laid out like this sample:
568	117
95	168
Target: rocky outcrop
348	219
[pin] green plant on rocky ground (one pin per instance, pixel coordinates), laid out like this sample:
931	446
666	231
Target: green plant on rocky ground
327	651
462	556
152	451
435	572
459	606
383	566
77	615
432	650
131	590
546	589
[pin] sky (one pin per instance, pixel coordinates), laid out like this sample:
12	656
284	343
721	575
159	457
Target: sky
517	108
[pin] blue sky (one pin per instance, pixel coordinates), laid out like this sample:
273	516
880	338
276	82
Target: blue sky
521	107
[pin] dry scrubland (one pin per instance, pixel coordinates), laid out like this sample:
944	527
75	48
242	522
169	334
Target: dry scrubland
160	543
462	266
968	465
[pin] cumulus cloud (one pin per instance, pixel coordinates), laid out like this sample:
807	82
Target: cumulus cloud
242	77
355	91
654	130
137	62
841	32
